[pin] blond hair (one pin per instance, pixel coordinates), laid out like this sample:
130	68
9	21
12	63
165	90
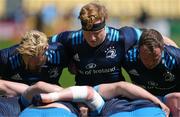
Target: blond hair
33	43
92	12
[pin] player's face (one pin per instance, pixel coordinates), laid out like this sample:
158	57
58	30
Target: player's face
33	63
150	60
95	38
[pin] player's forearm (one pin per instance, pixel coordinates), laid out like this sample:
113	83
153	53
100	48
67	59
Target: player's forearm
40	87
75	93
135	92
10	89
83	94
128	90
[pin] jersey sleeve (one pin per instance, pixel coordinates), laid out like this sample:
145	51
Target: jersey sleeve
176	52
56	54
177	71
8	61
131	36
61	37
3	62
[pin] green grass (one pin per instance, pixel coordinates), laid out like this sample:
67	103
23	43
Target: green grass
175	31
67	79
6	43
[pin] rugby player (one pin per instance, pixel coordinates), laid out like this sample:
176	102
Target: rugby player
156	67
97	50
28	62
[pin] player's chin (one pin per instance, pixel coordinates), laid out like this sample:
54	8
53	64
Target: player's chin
93	44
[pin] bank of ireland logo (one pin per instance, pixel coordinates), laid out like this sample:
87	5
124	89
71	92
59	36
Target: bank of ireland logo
110	52
90	66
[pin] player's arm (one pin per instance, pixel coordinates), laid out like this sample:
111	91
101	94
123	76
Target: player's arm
129	90
169	41
173	98
10	89
84	94
125	89
40	87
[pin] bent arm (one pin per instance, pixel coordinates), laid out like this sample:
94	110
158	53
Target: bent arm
10	89
125	89
84	94
40	87
130	91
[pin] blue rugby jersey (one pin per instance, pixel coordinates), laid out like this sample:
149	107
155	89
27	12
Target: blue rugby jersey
160	80
12	66
102	64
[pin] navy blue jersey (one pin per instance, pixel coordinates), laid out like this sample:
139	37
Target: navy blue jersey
102	64
160	80
12	66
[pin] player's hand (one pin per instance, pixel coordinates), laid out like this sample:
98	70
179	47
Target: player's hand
37	100
173	102
165	109
83	110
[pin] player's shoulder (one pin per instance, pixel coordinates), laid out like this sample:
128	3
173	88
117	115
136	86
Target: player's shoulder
113	34
66	36
55	46
131	36
171	56
130	31
171	50
10	51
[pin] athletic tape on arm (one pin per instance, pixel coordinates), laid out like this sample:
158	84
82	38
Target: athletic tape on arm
80	94
96	104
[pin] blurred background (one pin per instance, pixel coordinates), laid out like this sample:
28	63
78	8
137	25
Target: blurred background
54	16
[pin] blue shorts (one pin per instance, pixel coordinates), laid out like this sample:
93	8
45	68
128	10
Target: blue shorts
50	112
118	105
142	112
46	112
9	107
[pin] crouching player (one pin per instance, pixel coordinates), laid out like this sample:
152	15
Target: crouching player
143	105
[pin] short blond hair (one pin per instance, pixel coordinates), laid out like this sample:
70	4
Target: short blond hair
33	43
92	12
